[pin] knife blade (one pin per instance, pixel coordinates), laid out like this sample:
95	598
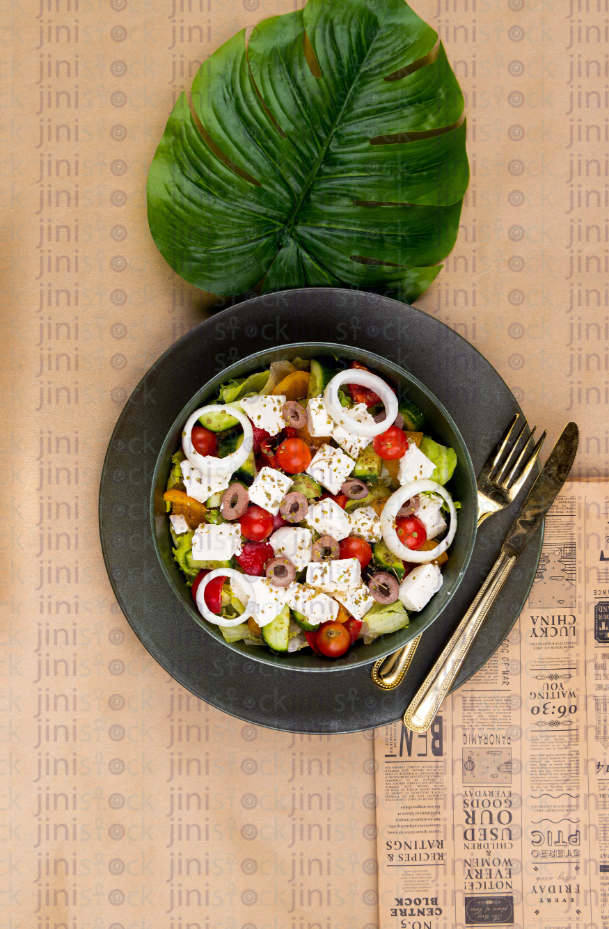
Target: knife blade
542	494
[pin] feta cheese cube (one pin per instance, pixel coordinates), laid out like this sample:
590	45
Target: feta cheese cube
366	524
331	467
336	575
268	600
353	444
429	511
205	479
418	587
414	466
265	412
216	543
293	543
328	518
319	422
358	601
179	524
269	489
316	606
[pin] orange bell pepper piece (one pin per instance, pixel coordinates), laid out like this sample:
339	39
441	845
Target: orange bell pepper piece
427	547
294	387
181	504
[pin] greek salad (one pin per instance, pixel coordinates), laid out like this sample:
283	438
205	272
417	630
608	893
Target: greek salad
308	508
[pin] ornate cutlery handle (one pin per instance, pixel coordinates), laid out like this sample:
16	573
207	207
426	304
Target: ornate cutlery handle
394	666
428	699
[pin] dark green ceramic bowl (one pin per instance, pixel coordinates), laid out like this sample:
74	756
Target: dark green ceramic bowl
462	487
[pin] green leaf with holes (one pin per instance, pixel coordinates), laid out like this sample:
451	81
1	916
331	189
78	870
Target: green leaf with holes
327	150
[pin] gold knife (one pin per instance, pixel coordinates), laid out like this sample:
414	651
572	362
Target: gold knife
428	699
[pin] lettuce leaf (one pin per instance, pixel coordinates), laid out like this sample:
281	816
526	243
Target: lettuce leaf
383	618
445	459
243	387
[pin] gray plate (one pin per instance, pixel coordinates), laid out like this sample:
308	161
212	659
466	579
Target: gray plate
346	700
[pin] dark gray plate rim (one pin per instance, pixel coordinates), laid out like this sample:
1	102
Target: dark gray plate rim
418	625
247	690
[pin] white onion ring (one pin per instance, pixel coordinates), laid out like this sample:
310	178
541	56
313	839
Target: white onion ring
232	461
215	618
390	512
340	414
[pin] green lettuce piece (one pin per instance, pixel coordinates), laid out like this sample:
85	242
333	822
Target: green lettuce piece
384	618
243	387
235	633
175	475
182	551
445	459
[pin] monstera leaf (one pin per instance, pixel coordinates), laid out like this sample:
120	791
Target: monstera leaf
327	150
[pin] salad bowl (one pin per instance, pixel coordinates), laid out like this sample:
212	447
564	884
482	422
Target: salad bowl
439	425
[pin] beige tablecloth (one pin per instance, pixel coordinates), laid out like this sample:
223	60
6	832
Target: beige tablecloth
127	802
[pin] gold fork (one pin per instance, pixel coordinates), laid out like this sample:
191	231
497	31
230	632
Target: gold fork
496	490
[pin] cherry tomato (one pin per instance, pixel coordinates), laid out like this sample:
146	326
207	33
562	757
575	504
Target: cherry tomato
353	627
332	639
197	581
279	522
204	441
391	444
293	456
256	523
213	594
353	547
340	499
290	432
411	532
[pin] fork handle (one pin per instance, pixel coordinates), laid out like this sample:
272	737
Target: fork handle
428	699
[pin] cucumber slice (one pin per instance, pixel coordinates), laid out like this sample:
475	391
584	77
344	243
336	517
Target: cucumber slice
321	375
214	501
220	421
413	417
276	634
301	620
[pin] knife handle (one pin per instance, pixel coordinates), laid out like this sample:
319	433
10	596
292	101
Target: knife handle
428	699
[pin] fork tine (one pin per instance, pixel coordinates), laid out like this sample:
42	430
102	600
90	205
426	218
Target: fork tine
512	452
503	444
516	488
514	471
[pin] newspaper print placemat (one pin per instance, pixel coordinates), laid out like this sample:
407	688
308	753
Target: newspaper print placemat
499	814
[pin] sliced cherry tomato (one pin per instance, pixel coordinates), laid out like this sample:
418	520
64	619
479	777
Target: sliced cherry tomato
197	581
260	435
256	523
204	442
353	547
341	499
213	594
411	532
353	627
293	456
332	639
311	639
266	458
391	444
